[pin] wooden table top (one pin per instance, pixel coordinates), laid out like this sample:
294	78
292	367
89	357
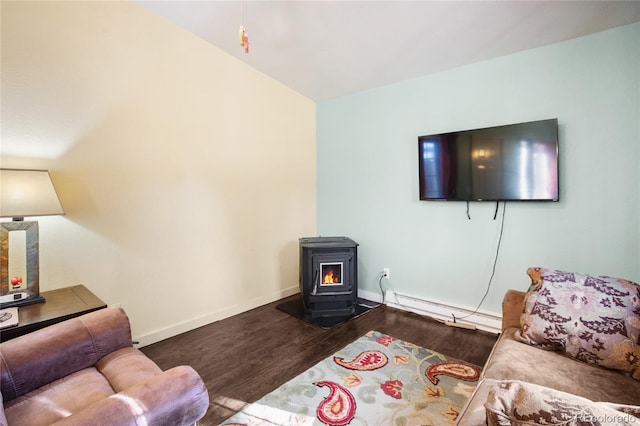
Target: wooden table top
61	304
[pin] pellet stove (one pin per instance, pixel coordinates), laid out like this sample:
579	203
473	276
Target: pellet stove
328	276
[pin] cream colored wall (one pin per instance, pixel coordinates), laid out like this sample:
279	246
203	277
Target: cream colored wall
187	177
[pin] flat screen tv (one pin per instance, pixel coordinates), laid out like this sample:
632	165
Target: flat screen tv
516	162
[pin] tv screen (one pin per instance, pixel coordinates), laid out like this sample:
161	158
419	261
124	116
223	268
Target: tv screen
516	162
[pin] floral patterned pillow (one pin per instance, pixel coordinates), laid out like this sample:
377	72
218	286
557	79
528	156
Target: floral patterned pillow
516	403
592	319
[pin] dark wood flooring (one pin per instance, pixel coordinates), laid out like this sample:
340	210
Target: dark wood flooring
246	356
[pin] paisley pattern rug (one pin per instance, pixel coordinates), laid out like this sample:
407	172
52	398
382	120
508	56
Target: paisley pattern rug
376	380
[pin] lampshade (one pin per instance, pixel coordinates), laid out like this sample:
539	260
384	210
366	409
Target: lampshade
27	193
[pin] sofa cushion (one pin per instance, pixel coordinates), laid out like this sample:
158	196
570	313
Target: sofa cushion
58	399
514	403
513	360
3	417
592	319
175	397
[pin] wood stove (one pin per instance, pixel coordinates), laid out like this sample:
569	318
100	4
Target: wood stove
328	276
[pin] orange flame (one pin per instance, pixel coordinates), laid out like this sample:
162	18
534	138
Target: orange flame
329	278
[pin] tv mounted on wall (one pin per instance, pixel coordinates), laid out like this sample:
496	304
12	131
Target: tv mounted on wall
516	162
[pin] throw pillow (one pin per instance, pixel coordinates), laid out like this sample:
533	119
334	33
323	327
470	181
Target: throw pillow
592	319
516	403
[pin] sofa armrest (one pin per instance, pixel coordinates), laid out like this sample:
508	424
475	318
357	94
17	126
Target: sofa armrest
35	359
473	412
512	306
175	397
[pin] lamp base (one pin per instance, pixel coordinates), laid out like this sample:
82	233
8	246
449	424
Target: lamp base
25	265
31	300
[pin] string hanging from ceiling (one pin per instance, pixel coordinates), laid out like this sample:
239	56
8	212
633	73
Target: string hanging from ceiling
243	35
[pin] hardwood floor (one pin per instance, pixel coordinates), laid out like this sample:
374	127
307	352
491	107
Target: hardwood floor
244	357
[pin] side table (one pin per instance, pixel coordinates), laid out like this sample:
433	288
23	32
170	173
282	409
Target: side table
61	304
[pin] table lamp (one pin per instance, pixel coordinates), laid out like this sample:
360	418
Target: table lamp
23	193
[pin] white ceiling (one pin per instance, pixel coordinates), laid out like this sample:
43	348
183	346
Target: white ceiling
326	49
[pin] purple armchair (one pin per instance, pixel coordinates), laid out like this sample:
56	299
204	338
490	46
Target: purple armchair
85	371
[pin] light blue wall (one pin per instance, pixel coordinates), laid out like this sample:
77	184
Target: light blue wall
368	177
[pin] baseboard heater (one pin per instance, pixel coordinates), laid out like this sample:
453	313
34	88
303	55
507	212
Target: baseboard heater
483	320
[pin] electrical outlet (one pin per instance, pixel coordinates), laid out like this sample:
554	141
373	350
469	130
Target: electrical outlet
386	273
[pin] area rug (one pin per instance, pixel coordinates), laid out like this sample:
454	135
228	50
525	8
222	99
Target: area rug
376	380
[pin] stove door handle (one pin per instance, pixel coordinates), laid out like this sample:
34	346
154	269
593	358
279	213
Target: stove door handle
316	277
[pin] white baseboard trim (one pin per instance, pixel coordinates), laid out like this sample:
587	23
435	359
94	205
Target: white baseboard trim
370	295
191	324
483	320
